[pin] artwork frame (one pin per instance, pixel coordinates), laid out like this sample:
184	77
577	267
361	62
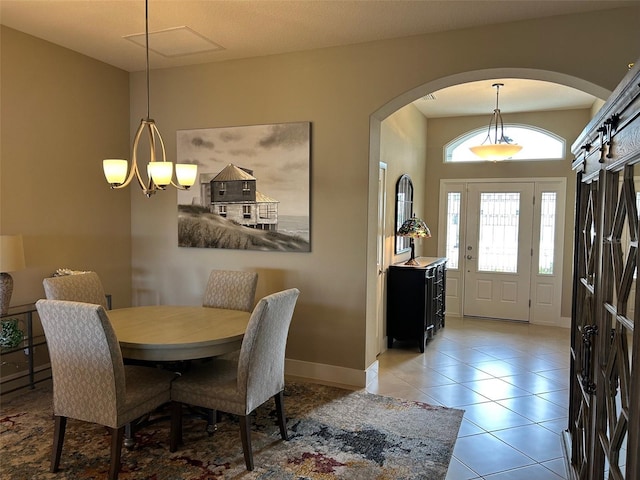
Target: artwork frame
253	189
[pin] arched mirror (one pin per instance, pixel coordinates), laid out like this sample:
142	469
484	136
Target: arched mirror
404	209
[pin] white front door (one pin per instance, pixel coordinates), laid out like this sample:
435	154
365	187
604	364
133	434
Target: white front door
497	251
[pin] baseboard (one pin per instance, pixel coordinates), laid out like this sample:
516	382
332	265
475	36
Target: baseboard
565	322
330	373
562	322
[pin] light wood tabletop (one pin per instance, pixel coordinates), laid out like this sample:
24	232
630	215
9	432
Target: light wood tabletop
170	333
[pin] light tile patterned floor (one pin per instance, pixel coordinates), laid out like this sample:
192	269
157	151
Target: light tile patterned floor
512	381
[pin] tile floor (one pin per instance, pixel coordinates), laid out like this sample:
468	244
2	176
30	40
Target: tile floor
512	381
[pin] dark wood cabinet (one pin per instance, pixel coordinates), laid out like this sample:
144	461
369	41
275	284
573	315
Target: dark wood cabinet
416	300
603	439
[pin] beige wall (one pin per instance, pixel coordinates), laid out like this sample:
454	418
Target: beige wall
342	91
403	147
567	124
63	112
338	90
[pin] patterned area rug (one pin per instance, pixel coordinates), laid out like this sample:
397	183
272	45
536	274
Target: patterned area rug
334	434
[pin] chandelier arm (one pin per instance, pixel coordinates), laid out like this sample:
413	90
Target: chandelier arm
133	171
164	156
149	188
488	136
151	185
500	124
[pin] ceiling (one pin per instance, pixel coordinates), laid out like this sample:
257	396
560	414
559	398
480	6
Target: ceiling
201	31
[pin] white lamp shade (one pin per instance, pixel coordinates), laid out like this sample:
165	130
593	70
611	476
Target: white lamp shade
11	253
497	151
160	172
115	170
186	174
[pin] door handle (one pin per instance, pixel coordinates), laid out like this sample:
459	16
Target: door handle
469	257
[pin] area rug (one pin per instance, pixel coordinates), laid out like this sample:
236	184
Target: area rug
334	434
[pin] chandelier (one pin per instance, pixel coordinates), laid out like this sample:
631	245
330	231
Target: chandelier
159	170
496	147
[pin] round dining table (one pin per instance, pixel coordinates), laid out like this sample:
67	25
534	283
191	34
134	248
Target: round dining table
173	333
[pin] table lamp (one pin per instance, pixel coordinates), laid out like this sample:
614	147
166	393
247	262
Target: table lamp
11	260
414	228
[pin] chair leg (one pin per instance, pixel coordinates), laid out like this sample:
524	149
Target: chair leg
117	436
175	436
129	441
58	440
211	421
282	420
245	436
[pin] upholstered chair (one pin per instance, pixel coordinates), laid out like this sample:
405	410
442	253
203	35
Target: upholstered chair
231	289
240	386
90	381
81	287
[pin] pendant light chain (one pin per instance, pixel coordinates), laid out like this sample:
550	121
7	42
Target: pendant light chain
146	39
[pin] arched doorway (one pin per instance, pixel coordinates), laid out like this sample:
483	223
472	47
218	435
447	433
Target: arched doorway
374	321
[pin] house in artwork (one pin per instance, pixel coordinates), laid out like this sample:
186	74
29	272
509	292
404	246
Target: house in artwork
233	194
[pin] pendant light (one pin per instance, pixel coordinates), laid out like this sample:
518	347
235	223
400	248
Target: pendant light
159	170
496	146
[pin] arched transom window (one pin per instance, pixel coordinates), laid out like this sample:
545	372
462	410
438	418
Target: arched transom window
539	144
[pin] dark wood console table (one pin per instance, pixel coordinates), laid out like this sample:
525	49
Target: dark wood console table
416	300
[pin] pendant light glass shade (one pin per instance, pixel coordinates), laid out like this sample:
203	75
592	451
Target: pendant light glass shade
496	151
496	146
159	170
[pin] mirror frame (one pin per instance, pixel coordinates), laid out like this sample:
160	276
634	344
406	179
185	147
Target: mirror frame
404	210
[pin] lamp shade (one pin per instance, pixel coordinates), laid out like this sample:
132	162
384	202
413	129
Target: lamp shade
414	228
11	253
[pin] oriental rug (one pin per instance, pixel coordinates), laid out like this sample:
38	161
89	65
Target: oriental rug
334	434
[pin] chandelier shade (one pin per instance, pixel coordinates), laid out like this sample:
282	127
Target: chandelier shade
496	146
496	151
159	171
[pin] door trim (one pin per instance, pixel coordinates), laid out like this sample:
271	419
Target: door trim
547	314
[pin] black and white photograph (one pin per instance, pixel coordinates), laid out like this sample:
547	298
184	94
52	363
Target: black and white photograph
252	189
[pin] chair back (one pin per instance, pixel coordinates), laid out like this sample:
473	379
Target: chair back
261	362
86	361
231	289
82	287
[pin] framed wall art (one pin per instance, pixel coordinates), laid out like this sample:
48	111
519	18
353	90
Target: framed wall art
253	188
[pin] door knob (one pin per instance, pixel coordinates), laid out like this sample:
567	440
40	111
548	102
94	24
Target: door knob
469	257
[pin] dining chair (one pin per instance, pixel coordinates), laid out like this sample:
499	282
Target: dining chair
90	381
81	287
231	289
239	386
